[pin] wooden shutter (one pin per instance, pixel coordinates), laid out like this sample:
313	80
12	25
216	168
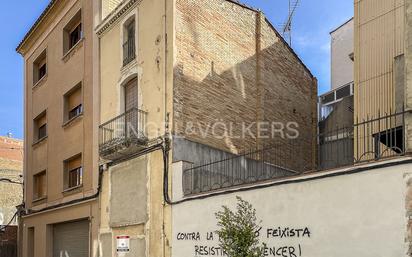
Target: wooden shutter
131	95
71	239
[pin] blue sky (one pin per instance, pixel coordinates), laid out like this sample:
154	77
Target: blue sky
313	21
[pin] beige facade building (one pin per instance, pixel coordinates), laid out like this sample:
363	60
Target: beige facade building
61	122
117	93
170	70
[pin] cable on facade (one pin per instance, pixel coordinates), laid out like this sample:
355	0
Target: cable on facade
3	228
7	180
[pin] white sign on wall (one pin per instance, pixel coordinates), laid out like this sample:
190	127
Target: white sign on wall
123	244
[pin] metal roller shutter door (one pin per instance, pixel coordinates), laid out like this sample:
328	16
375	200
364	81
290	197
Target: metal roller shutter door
71	239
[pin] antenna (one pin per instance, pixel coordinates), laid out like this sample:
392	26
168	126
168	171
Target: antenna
287	27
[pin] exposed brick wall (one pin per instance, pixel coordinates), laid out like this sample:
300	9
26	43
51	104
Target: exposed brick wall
232	67
11	149
10	234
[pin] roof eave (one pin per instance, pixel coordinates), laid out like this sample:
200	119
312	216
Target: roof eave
36	24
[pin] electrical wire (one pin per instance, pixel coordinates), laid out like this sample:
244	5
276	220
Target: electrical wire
7	180
3	228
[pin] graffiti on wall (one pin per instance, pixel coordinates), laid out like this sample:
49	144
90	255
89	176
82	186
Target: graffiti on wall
207	243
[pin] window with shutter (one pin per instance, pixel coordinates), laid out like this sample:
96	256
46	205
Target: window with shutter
40	127
73	172
72	32
131	95
73	106
39	186
40	67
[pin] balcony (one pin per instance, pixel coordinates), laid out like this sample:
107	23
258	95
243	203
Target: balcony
129	51
124	135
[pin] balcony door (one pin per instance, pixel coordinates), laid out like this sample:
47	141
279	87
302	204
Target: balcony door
130	95
131	105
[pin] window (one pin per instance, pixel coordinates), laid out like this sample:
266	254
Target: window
40	127
39	67
72	33
39	186
30	242
73	176
129	48
73	103
75	35
130	94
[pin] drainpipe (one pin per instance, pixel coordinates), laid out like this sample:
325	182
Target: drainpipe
259	91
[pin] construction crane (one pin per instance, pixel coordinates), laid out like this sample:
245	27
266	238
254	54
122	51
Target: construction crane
287	26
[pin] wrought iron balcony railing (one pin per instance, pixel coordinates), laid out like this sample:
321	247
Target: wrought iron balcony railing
254	166
129	51
123	135
370	139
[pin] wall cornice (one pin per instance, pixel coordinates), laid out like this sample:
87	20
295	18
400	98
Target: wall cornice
115	15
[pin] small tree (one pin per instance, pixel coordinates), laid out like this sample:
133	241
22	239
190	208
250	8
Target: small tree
238	231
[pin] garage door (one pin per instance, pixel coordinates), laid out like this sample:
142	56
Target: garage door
71	239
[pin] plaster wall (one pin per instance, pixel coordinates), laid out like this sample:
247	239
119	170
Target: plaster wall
342	45
360	214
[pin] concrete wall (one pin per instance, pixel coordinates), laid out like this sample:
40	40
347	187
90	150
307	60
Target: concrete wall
359	214
342	45
232	67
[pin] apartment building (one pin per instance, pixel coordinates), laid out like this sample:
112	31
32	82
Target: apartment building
60	51
335	112
170	70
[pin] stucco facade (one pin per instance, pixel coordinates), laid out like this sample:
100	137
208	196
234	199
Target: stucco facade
362	211
64	39
185	71
342	55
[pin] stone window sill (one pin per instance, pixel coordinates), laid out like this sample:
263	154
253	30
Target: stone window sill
39	200
129	65
39	141
73	190
73	120
40	82
73	50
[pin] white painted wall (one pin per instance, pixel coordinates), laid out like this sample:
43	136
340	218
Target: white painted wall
360	215
341	47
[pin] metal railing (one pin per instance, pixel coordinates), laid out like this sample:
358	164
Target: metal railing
129	51
369	139
258	165
122	132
